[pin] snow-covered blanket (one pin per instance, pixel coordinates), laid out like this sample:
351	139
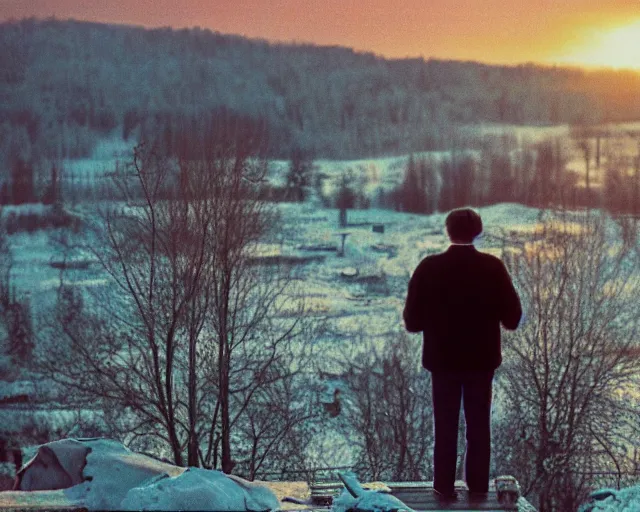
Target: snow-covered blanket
101	474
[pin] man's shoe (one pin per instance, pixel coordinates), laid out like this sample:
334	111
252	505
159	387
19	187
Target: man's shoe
478	497
445	497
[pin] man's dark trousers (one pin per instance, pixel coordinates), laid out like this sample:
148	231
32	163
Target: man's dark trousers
474	389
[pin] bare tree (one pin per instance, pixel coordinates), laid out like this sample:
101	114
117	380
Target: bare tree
567	368
15	311
192	329
346	197
583	135
5	284
388	409
245	301
501	177
299	175
5	265
279	425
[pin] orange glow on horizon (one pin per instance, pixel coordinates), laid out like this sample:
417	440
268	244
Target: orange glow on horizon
617	48
490	31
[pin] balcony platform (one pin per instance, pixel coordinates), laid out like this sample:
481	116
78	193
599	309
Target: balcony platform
503	495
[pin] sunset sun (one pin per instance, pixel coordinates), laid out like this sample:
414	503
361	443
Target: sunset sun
617	48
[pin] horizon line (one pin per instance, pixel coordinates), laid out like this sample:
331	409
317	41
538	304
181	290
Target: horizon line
294	42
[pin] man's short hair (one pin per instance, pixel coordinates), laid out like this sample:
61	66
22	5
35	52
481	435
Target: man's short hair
463	225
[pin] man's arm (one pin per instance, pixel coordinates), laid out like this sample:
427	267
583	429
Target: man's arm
510	307
413	313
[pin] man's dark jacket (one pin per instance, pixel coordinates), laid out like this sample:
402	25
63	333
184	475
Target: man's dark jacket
458	299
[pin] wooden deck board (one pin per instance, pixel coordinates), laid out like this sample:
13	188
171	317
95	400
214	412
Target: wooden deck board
427	500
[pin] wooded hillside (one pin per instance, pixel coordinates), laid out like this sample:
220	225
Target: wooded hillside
63	84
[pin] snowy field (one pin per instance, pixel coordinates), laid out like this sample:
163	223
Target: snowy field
362	293
367	284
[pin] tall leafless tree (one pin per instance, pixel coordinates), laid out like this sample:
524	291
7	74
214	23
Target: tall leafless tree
567	369
280	425
388	408
194	326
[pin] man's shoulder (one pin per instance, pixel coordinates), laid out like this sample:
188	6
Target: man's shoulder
426	266
490	257
431	260
432	257
444	258
493	260
474	257
489	262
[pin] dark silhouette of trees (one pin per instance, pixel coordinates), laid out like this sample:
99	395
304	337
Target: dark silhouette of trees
502	182
53	190
583	135
16	317
414	197
458	181
346	197
299	175
429	182
22	181
15	312
524	168
419	190
446	199
130	121
619	187
543	185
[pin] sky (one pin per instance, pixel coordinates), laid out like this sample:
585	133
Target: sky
581	32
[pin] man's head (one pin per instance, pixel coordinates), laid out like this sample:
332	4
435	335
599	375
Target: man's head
463	225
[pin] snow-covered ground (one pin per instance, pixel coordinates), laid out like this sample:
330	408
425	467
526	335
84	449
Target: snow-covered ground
102	474
111	477
382	262
612	500
362	292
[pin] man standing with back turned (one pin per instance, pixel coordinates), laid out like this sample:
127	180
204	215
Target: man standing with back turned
458	299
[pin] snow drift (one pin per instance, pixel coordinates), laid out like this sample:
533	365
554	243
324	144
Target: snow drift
612	500
102	474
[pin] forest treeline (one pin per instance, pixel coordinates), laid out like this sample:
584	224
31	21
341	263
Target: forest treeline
66	84
502	170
